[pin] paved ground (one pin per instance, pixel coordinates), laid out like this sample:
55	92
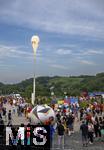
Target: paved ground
15	119
73	142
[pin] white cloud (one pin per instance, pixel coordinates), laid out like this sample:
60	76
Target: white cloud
16	52
99	52
3	66
59	66
89	52
86	62
63	51
63	16
71	19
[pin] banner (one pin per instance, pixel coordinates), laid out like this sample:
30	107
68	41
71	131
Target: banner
73	100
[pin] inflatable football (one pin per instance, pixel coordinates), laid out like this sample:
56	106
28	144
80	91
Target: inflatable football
42	114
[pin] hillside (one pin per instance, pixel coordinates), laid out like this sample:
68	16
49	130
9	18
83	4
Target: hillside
72	85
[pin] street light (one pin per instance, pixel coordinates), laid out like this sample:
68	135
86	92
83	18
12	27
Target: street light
35	43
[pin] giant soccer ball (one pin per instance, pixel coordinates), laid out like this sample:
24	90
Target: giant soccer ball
41	114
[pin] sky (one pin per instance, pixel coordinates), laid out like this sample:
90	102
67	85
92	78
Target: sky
71	36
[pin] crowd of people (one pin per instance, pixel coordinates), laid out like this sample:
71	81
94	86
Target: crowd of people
92	123
16	106
90	119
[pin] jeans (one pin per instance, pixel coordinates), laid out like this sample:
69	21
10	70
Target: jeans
90	136
61	141
84	139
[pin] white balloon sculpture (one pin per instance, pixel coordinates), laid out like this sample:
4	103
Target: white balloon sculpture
35	43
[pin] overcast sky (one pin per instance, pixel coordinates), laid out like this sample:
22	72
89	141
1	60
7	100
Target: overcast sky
71	38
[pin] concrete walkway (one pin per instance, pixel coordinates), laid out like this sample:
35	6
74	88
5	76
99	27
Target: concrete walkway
16	120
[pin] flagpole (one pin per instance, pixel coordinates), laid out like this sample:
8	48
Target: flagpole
34	81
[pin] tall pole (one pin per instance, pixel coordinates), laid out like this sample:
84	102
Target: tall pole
35	43
33	100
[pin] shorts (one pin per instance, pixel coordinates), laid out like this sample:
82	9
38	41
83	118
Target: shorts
70	126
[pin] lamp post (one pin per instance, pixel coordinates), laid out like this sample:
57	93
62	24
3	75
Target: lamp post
35	43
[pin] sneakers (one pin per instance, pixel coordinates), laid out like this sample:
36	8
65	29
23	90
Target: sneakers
85	145
69	133
72	132
90	143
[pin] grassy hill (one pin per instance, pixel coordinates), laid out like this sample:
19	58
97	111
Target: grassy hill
72	85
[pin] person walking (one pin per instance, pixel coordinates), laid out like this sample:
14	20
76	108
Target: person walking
97	128
60	129
9	118
4	114
52	131
13	109
69	123
84	129
90	132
